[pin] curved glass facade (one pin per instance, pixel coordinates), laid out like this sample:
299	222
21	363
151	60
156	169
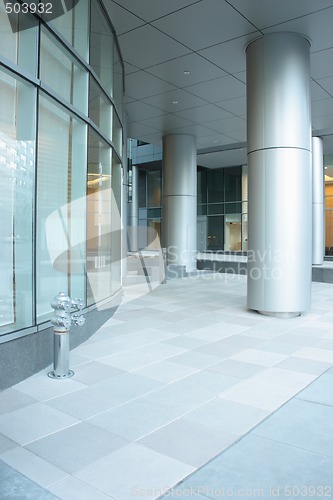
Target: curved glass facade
61	141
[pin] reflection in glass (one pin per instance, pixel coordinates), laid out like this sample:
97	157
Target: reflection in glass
60	71
98	219
60	205
17	168
19	47
101	48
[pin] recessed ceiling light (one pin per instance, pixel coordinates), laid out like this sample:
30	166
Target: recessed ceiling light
174	102
215	140
186	72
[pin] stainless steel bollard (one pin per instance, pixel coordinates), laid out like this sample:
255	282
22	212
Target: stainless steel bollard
62	321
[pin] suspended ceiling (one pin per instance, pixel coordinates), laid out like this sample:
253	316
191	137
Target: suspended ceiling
185	69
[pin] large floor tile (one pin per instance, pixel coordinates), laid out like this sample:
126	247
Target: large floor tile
86	403
302	365
93	371
135	471
12	399
228	416
195	359
32	466
266	396
34	422
6	443
132	421
284	378
136	358
187	441
303	424
259	357
76	447
264	469
72	488
235	368
165	371
320	391
44	388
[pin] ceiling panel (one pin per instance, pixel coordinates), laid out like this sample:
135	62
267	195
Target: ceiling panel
138	110
236	106
230	55
199	70
198	130
214	140
231	158
204	24
204	114
219	89
228	125
322	108
326	84
176	100
317	27
322	63
144	85
146	46
122	19
271	12
166	122
153	9
317	92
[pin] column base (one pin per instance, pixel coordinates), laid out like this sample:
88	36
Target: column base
285	315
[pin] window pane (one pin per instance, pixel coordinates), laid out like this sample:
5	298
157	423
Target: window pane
19	47
98	219
60	205
118	80
202	186
233	183
116	226
215	186
154	189
232	233
117	134
215	233
17	167
100	108
101	48
63	73
73	25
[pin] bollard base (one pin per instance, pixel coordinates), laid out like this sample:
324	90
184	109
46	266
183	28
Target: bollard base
69	374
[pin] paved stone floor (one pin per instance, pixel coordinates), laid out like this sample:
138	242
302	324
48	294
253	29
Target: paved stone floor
183	389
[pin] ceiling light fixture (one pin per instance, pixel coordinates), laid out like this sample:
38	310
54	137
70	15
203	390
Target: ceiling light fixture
174	102
186	72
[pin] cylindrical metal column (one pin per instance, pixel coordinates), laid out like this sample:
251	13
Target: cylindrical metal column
318	249
61	356
279	162
179	202
133	227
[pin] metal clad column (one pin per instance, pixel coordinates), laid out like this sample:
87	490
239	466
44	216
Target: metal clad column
317	201
133	229
179	203
279	162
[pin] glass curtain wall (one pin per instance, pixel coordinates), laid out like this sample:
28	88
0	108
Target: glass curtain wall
60	162
17	174
328	173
